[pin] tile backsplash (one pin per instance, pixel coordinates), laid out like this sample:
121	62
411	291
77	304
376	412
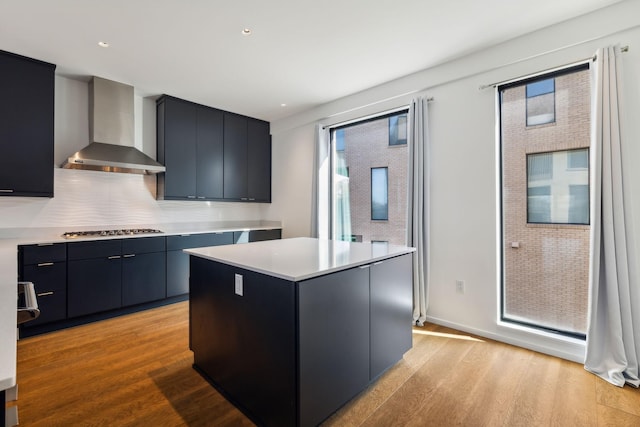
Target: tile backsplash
87	198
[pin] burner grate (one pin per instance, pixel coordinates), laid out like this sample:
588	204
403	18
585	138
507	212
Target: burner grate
108	233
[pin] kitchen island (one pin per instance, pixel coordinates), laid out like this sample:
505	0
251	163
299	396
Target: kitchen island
291	330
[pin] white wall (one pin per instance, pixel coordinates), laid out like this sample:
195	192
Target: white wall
101	199
464	192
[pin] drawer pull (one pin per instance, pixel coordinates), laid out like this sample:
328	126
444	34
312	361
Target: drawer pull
365	266
6	191
45	264
114	257
378	263
128	255
45	294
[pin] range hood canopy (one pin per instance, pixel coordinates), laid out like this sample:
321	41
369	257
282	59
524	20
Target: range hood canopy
112	133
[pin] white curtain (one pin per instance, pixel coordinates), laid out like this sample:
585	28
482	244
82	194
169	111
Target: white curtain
320	183
418	209
613	331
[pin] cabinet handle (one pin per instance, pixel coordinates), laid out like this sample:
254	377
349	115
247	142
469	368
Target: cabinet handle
378	262
243	198
45	264
45	294
114	257
191	197
201	197
251	199
6	191
365	266
128	255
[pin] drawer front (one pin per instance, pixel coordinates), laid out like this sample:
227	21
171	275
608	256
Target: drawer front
50	284
141	245
94	249
36	254
175	243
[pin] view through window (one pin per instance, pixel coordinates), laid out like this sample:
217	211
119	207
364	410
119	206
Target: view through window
369	180
545	137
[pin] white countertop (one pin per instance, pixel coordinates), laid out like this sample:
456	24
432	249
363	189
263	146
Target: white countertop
11	238
299	258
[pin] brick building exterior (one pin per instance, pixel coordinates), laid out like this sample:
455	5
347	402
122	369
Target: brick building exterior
366	146
545	265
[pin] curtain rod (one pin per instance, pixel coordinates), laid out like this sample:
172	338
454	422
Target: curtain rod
549	70
370	116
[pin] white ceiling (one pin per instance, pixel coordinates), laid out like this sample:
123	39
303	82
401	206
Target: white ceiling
302	53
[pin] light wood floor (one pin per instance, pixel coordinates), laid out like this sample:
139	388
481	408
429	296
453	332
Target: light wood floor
136	370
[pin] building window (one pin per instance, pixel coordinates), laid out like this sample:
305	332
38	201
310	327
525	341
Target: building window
339	135
379	194
398	129
541	103
560	195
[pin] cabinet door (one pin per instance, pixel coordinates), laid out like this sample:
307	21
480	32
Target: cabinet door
94	285
259	161
210	154
178	261
333	334
26	126
391	312
143	278
50	282
179	135
235	157
256	235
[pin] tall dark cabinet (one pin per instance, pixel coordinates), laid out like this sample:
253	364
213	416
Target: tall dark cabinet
26	126
210	154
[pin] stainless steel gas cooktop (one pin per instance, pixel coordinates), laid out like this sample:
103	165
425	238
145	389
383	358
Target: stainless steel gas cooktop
108	233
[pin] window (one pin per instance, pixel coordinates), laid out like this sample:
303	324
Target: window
541	102
544	177
379	194
368	180
398	129
558	196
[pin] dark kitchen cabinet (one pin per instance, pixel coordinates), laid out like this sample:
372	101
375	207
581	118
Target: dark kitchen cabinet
210	154
259	161
26	126
176	148
247	159
256	235
178	261
390	283
144	274
94	281
209	150
190	145
45	266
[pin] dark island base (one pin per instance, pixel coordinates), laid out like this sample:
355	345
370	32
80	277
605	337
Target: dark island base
292	353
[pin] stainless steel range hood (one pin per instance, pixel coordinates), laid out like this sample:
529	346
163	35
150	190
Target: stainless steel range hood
112	133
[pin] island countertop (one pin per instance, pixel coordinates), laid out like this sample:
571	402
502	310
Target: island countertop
300	258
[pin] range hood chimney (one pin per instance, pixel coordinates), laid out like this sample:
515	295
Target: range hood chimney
111	130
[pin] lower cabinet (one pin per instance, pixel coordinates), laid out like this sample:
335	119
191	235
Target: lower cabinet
178	261
144	273
46	267
256	235
94	281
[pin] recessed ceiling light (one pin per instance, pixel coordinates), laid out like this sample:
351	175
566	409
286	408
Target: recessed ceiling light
103	44
283	105
246	31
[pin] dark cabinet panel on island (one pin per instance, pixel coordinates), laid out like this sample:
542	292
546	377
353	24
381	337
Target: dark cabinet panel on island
256	235
26	126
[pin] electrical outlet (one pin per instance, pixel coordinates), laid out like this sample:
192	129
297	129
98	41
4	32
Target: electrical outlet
460	286
238	282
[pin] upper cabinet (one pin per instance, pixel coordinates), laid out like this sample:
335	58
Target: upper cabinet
210	154
26	126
